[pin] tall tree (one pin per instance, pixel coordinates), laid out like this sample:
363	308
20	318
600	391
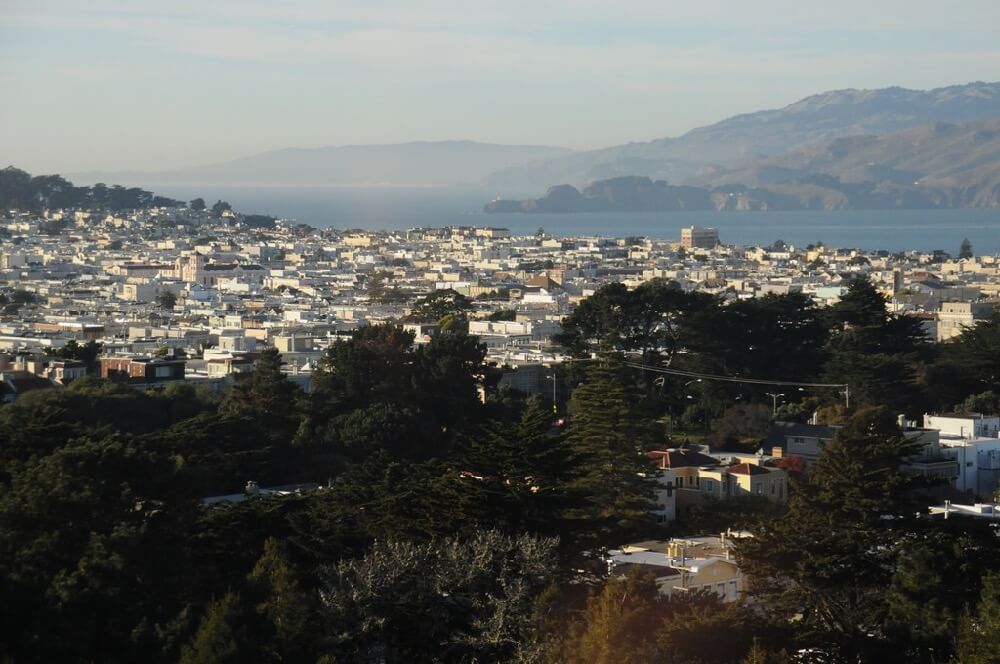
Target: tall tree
965	251
879	354
648	319
609	485
828	562
267	396
618	624
978	639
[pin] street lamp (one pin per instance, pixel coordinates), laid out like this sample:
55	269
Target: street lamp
555	408
774	402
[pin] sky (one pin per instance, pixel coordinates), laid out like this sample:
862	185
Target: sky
162	84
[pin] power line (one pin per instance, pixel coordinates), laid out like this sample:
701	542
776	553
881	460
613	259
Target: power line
730	379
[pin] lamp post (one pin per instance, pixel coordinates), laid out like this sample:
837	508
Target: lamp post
555	408
774	401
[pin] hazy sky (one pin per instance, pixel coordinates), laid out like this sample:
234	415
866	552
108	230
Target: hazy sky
144	84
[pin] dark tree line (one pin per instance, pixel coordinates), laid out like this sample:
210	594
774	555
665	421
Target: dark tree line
885	358
22	191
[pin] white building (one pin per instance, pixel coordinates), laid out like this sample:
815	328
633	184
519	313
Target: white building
964	425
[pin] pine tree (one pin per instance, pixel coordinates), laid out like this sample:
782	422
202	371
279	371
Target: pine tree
978	640
218	640
618	625
608	484
283	603
965	251
829	561
520	460
268	397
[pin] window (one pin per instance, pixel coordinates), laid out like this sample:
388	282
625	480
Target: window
733	589
721	589
772	487
163	372
760	488
708	485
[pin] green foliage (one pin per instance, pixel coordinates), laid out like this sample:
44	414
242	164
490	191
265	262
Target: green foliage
439	305
879	354
618	623
86	353
609	489
741	427
220	638
647	319
197	204
381	289
775	336
165	299
978	639
503	315
20	191
713	515
378	382
828	562
965	250
458	599
219	208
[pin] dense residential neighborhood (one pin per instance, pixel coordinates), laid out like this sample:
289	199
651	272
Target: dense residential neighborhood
624	434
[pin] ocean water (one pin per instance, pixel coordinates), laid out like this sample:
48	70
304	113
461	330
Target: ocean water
397	208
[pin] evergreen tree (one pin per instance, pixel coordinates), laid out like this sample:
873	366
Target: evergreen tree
284	605
266	396
618	624
828	562
877	353
978	640
521	461
965	251
609	485
220	638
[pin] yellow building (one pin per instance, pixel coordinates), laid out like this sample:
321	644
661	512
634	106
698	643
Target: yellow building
688	477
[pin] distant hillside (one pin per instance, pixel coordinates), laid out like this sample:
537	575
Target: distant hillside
736	140
932	166
936	155
418	163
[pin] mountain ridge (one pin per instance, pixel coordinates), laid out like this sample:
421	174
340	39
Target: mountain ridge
747	136
938	165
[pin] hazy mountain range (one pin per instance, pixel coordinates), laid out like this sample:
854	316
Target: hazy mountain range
417	163
890	138
750	136
931	166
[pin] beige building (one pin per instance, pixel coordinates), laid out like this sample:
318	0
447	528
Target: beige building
683	565
695	237
954	317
